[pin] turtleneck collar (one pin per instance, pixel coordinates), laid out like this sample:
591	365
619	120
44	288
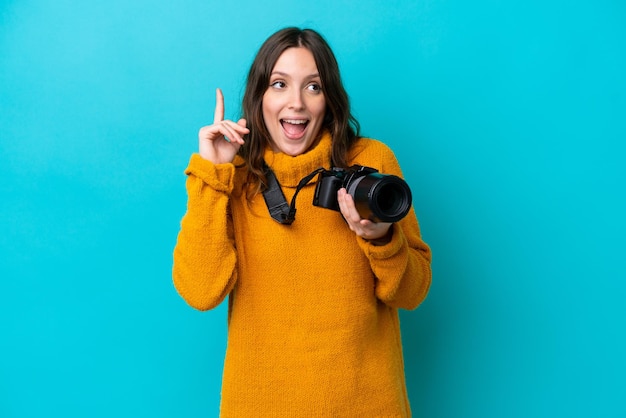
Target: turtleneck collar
290	170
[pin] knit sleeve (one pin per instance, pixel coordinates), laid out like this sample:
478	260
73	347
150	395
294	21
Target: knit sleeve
402	267
204	256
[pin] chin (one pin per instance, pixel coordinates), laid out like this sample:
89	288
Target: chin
293	148
293	152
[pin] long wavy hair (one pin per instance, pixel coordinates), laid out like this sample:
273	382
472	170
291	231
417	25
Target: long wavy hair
338	120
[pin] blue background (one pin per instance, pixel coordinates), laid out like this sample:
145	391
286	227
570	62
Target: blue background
508	118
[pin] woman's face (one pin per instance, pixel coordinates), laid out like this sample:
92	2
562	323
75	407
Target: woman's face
294	103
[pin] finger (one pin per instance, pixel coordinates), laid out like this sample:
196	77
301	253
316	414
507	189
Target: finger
347	207
219	106
228	134
226	127
240	126
367	224
235	131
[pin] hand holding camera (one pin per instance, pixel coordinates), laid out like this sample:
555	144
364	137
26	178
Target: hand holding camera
377	232
377	197
368	200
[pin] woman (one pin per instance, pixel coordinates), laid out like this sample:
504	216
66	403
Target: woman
313	325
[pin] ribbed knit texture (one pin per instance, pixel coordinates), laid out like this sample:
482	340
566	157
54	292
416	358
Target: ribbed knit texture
313	328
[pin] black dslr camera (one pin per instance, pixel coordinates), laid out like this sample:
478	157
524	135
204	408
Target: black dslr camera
378	197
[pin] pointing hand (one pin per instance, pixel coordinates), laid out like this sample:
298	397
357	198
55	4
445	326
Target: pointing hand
220	141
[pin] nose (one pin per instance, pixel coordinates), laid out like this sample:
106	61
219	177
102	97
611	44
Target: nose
296	100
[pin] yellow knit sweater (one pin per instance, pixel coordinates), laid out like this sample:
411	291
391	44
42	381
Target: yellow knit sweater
313	327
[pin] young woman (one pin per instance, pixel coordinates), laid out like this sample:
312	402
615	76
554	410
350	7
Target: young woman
313	325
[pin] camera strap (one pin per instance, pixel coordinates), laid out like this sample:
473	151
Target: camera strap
275	199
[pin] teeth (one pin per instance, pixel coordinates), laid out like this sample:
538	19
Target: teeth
295	121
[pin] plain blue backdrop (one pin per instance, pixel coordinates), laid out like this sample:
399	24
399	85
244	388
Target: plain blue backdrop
508	118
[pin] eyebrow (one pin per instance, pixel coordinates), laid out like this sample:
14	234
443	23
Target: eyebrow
314	75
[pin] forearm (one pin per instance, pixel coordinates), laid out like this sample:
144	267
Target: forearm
401	267
204	257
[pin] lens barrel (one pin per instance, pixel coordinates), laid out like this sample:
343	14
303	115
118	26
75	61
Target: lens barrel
380	197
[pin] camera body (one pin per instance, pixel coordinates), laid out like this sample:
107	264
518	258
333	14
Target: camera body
377	197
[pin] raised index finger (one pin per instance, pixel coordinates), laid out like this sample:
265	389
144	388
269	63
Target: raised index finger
219	106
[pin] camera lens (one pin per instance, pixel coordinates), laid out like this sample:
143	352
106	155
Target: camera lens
389	198
381	197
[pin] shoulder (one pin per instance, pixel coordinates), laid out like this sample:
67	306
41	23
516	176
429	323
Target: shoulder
373	153
364	143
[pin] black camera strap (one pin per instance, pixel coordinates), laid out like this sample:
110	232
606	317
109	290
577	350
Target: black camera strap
275	199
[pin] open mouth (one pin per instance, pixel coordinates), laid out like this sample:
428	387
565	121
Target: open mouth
294	128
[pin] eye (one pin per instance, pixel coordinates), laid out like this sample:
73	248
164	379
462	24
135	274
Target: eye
278	84
314	87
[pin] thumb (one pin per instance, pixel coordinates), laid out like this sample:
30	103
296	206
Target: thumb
242	122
